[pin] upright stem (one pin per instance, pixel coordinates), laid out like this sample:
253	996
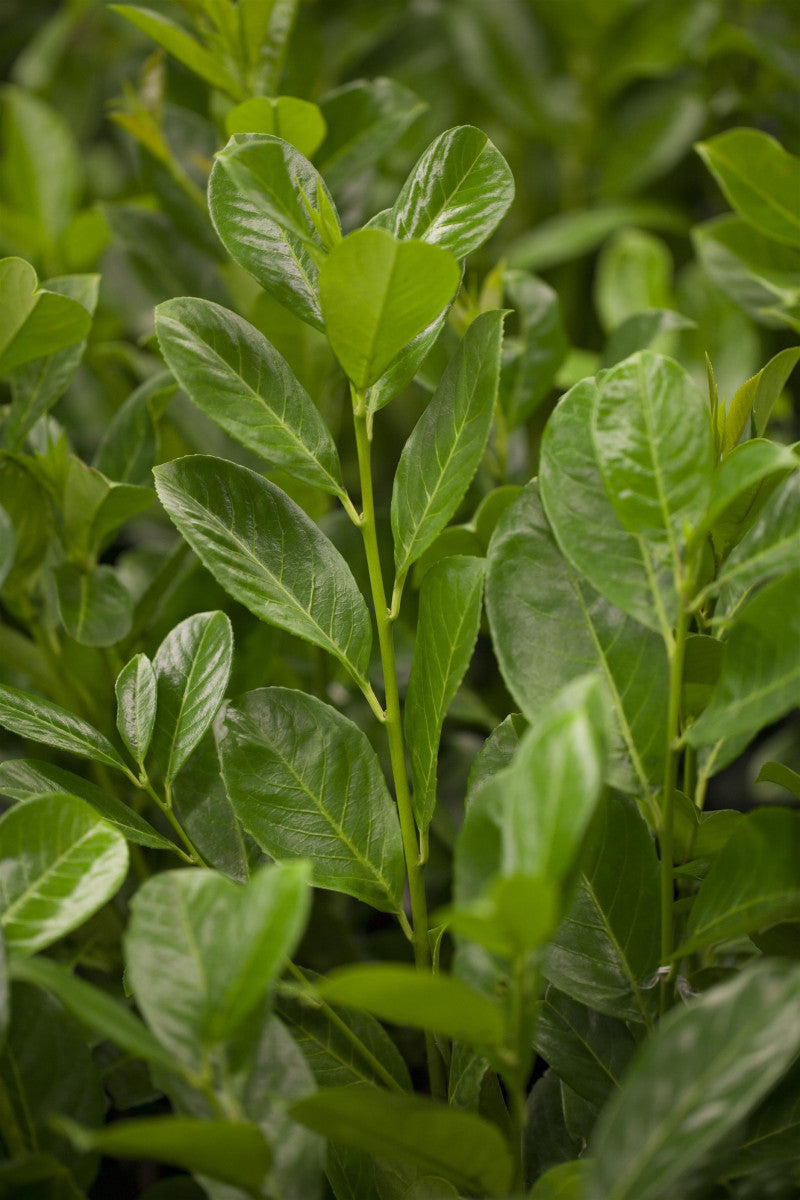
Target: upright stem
521	1026
394	726
666	830
10	1129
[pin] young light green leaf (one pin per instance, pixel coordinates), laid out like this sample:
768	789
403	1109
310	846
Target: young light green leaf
586	1049
268	555
202	951
456	195
33	321
233	1152
463	1148
449	616
30	779
377	294
404	996
655	446
94	605
770	546
760	676
298	122
135	689
617	563
192	666
237	378
59	864
447	443
757	397
42	721
760	179
181	45
707	1066
753	883
305	782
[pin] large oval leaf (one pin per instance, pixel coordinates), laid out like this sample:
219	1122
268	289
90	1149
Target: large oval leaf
268	555
59	863
305	782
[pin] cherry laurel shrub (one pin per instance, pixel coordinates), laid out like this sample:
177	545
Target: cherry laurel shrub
609	1001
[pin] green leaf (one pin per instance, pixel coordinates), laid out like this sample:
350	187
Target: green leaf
42	721
447	444
93	1008
738	486
759	178
652	329
182	46
94	605
770	547
774	772
231	1151
404	996
8	545
473	191
237	378
760	275
365	119
770	1136
204	809
94	508
129	447
760	675
757	397
707	1066
59	864
532	358
33	321
753	883
268	555
457	1145
617	563
634	272
30	779
305	782
572	234
377	294
192	666
298	122
655	446
42	166
605	951
566	1181
202	951
135	689
449	616
268	205
532	598
586	1049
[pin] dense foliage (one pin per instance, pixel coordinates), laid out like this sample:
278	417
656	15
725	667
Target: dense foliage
400	600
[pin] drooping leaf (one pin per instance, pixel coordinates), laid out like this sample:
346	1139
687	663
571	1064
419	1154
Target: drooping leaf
447	444
42	721
33	321
759	178
268	555
59	864
447	628
192	666
461	1147
237	378
94	605
305	782
377	294
181	45
707	1066
135	689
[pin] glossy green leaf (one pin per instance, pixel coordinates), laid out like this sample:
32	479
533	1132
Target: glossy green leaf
298	122
233	1152
619	564
59	864
605	951
456	195
770	546
586	1049
204	809
459	1146
94	605
135	689
707	1066
268	205
192	666
404	996
634	272
202	951
182	46
405	367
237	378
30	779
447	629
42	721
753	883
655	447
760	675
532	598
532	357
268	555
757	397
377	294
760	179
305	782
447	444
365	119
34	322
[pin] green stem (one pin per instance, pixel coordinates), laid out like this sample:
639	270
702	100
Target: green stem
677	655
194	856
394	727
10	1129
